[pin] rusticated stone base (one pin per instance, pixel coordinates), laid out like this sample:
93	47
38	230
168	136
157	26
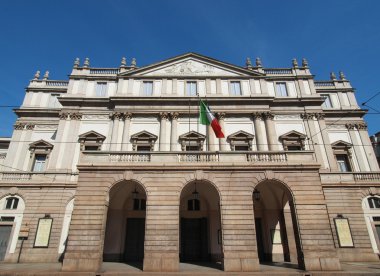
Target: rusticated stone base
322	264
81	264
161	262
240	261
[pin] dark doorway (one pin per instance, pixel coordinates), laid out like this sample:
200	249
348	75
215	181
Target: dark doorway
259	240
194	241
134	241
5	231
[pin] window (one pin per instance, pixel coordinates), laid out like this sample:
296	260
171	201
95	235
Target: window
101	89
53	101
39	162
192	141
293	140
374	202
327	101
343	164
91	140
139	204
11	203
193	205
7	219
240	141
143	141
281	89
235	89
342	152
147	88
191	88
143	148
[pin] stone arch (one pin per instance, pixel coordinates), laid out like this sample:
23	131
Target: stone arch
125	224
199	213
201	177
12	218
371	214
276	222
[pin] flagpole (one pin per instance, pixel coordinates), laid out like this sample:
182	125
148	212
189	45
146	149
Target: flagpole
189	121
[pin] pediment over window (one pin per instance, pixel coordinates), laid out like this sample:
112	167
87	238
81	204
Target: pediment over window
41	145
340	144
143	141
91	140
240	140
293	140
192	64
292	135
192	141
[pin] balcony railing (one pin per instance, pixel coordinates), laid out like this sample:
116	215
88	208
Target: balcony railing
47	176
324	84
57	83
223	158
349	177
104	71
278	71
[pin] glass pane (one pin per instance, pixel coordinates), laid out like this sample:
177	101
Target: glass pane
135	204
191	88
101	89
39	163
327	102
196	205
281	90
148	88
235	88
190	205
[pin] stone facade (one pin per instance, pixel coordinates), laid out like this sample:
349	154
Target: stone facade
116	159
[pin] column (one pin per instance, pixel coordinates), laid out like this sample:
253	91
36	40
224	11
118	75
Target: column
271	132
24	164
210	138
15	147
127	124
260	139
163	120
314	143
58	138
116	118
72	139
173	133
366	142
361	158
326	142
222	141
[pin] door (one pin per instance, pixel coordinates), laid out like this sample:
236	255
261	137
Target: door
194	241
134	241
5	232
259	239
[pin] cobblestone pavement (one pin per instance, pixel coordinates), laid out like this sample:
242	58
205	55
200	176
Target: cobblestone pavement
118	269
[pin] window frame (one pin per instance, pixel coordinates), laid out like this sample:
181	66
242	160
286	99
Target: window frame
143	90
343	149
326	96
14	201
103	91
39	148
192	139
189	91
277	91
233	88
39	166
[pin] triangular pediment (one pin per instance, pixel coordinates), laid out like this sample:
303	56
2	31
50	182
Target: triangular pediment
191	64
144	135
292	135
41	144
192	135
341	144
92	135
239	135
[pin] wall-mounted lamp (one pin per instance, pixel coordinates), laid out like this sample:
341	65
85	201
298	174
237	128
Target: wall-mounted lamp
256	194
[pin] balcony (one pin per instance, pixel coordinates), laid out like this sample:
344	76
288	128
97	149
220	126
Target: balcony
191	158
350	177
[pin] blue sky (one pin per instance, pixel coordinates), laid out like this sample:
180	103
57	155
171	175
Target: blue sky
49	35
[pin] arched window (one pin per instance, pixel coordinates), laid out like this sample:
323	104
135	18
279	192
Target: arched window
371	209
374	202
11	203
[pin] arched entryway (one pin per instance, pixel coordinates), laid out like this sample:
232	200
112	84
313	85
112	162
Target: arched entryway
125	228
277	232
200	224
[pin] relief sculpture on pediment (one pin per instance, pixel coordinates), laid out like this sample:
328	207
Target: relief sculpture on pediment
190	68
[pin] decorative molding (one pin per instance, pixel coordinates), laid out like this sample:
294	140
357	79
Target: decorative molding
3	155
30	126
174	115
19	126
258	115
336	126
361	126
46	127
307	116
76	116
287	117
350	126
95	116
164	115
268	116
221	116
189	68
63	115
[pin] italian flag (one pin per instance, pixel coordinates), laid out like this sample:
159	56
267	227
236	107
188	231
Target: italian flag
206	118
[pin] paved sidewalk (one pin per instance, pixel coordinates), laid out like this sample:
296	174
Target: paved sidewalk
118	269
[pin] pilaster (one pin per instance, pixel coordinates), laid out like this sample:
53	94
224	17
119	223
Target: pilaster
259	133
222	141
163	119
127	124
271	131
173	133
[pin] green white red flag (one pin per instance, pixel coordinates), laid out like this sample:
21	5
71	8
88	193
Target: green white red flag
207	118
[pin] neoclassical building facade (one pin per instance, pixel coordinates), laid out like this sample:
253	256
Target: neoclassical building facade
113	165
